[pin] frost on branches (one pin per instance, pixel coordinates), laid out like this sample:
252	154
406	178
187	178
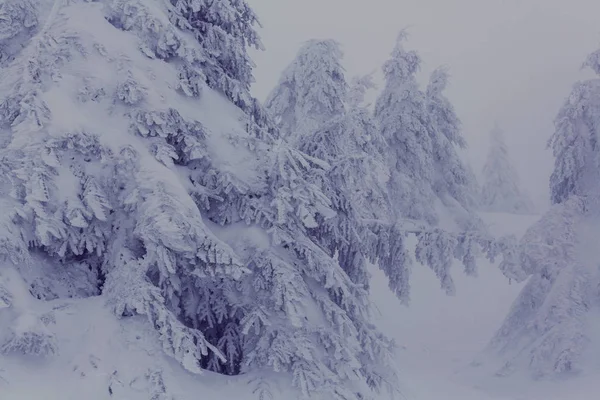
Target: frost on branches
552	327
454	183
500	191
422	133
311	90
402	119
327	120
133	154
371	221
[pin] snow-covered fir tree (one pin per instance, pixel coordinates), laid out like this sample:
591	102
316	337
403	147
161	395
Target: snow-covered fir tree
423	135
501	191
136	166
429	186
454	183
371	222
326	117
402	118
552	328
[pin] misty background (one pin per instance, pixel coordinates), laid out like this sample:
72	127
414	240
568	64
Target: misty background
511	61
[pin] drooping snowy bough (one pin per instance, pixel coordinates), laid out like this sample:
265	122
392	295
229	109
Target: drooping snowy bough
393	174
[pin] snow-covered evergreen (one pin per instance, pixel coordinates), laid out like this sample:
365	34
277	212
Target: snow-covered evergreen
552	327
373	218
454	183
423	135
501	191
327	120
402	118
134	156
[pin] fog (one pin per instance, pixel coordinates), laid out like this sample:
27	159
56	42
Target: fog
511	61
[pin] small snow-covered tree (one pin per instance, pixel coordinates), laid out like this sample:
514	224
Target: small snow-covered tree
355	183
500	191
427	178
551	327
326	118
327	121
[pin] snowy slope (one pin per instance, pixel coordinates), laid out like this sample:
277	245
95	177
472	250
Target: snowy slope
99	357
439	336
441	339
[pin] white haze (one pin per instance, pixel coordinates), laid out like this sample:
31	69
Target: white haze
512	61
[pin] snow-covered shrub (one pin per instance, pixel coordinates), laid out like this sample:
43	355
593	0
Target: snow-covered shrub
28	335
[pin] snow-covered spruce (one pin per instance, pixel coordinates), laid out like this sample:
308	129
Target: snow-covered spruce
552	328
428	180
325	117
401	115
501	191
422	133
454	183
131	146
372	222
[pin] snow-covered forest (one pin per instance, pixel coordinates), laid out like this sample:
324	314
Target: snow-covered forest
168	233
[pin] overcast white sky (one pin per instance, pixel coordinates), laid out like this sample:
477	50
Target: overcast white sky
513	61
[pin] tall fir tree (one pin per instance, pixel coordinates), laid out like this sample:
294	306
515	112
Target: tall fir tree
551	329
423	134
453	183
501	190
172	193
342	134
402	118
428	181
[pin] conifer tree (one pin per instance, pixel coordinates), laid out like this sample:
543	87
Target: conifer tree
423	134
372	222
171	187
402	118
454	183
501	191
427	177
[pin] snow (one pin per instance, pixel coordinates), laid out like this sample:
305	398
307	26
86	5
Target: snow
438	339
441	339
77	348
97	353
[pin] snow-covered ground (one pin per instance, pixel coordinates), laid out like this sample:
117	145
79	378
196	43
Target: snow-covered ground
438	336
99	357
441	339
